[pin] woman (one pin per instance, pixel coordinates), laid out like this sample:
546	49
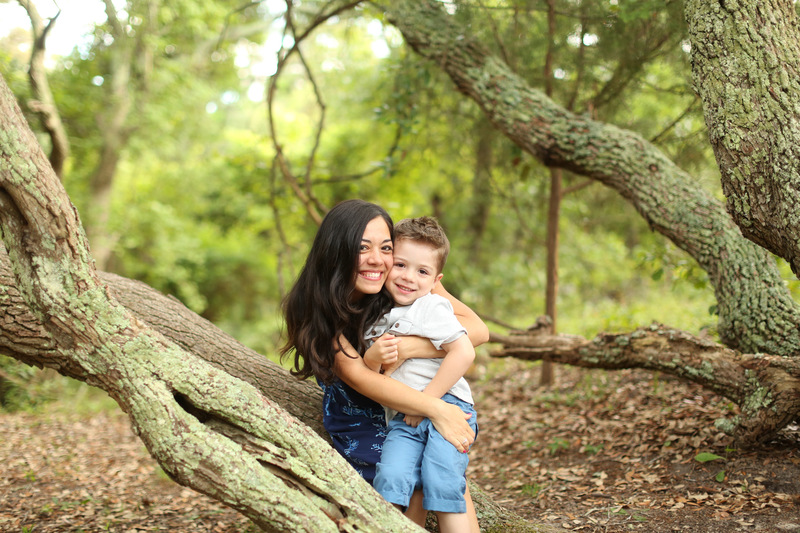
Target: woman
336	296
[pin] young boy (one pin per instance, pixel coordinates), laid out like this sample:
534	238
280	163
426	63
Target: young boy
414	453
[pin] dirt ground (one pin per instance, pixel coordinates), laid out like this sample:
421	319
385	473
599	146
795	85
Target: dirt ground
599	452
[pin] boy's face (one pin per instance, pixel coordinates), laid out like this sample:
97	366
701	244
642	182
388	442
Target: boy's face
414	272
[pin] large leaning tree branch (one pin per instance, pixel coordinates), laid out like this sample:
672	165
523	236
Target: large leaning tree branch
749	82
208	430
217	416
756	311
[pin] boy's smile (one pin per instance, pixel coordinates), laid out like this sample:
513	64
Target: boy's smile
414	272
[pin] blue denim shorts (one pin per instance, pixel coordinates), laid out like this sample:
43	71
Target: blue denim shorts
421	457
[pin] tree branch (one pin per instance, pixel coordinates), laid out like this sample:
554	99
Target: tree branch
766	388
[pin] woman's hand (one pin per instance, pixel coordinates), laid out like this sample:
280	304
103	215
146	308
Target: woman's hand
383	353
451	422
418	348
413	420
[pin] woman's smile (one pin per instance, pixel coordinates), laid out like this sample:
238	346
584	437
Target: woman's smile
375	257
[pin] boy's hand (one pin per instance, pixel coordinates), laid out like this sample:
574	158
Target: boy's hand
383	352
413	420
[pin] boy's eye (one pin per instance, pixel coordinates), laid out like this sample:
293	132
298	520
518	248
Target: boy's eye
423	272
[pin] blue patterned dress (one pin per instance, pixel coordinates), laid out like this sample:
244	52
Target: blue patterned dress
356	424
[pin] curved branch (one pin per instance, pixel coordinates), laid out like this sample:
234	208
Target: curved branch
766	388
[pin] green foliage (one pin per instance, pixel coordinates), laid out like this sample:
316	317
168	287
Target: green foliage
532	490
14	378
24	388
558	445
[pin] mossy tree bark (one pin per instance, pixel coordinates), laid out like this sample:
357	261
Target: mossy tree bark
746	68
756	311
218	417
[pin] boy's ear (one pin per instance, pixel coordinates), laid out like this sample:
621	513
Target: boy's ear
439	277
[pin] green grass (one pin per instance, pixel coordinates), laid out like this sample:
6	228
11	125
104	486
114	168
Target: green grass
44	391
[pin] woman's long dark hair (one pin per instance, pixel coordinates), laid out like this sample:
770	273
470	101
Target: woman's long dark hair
318	310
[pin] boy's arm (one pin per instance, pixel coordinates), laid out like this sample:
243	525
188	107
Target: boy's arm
448	419
459	357
383	353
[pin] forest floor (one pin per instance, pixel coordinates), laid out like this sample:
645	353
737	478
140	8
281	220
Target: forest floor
598	452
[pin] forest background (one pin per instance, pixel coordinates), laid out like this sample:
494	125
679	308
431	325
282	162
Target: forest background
197	208
200	161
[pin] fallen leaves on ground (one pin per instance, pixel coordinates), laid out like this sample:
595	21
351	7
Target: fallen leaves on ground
618	451
597	452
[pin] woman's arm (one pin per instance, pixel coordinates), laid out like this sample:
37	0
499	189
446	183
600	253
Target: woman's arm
448	419
421	348
477	331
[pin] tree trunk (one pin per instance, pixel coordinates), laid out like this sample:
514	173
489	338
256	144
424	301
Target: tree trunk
113	122
748	82
187	388
481	207
551	289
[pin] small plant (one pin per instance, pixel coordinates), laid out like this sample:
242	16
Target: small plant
705	457
557	445
532	490
592	449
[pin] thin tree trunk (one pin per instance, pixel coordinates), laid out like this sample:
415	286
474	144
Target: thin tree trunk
43	103
551	289
481	186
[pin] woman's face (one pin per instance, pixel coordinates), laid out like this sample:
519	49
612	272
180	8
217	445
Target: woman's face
375	259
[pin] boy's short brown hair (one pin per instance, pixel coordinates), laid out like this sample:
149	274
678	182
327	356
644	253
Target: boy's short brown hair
426	230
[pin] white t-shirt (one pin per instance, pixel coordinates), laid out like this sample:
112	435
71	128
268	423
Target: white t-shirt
432	317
